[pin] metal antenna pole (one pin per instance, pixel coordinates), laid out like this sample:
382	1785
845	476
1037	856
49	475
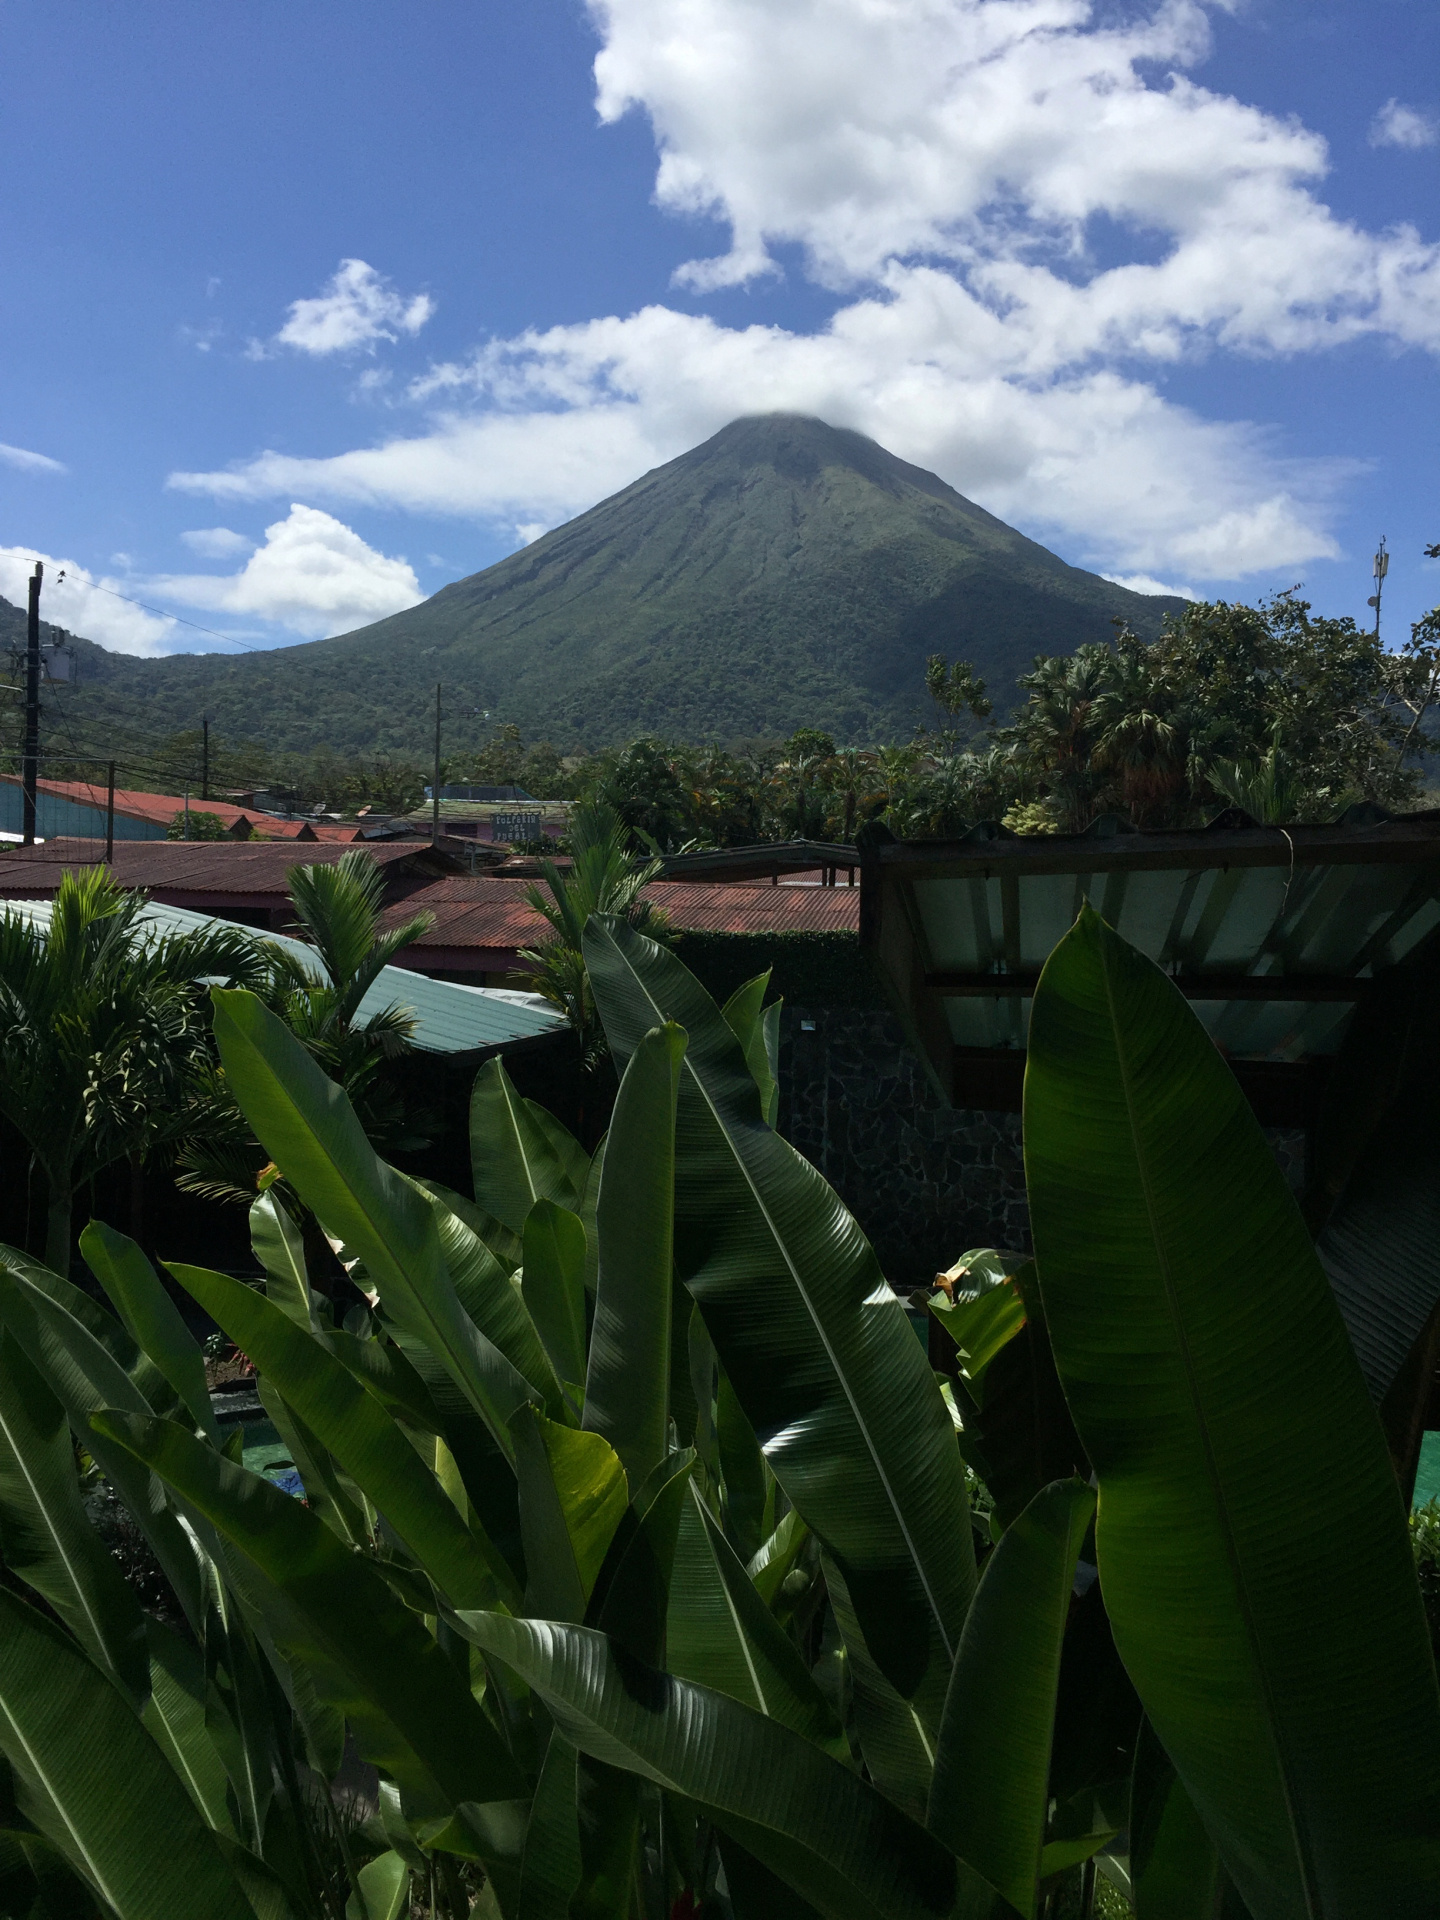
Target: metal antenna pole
30	759
435	790
1382	567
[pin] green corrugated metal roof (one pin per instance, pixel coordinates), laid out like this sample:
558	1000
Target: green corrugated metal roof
449	1018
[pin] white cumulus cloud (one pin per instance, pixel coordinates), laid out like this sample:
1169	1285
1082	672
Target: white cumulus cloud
358	307
313	574
28	462
1399	126
217	543
86	603
1146	583
1026	210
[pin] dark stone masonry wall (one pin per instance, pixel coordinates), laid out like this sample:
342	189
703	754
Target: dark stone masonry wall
926	1181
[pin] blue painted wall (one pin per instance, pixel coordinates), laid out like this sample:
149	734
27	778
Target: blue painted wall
58	818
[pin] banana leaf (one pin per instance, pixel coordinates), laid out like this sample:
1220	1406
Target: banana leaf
150	1317
990	1794
489	1295
1217	1393
280	1248
516	1155
627	1397
102	1327
825	1831
505	1245
898	1746
175	1716
353	1426
744	1014
309	1129
410	1711
83	1375
631	1596
550	1866
382	1889
1175	1872
45	1537
572	1496
819	1350
742	1471
777	1556
37	1882
90	1777
721	1634
553	1286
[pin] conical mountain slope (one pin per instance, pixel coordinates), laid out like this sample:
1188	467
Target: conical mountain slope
786	573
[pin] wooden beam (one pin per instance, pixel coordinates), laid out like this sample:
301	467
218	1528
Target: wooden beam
1195	986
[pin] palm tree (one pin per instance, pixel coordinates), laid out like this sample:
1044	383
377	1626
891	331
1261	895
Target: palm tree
103	1034
340	909
604	877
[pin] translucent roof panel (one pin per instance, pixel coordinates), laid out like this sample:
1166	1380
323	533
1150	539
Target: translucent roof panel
1252	908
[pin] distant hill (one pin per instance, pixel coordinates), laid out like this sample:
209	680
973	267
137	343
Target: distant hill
786	573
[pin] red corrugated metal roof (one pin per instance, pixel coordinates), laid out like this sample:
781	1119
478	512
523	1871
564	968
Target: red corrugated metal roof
486	912
181	866
161	808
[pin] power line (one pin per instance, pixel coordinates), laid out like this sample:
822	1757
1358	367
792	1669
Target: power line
161	614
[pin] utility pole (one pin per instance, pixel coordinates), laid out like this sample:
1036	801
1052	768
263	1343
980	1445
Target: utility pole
110	813
30	759
204	756
435	790
1382	567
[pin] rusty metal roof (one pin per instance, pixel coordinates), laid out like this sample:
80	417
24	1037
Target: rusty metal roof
480	911
160	809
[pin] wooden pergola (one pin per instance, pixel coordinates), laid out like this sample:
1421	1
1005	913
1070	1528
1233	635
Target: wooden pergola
1311	954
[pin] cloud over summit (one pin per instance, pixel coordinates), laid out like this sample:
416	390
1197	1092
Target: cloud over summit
1025	213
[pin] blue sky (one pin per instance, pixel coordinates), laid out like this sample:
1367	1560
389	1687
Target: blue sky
313	308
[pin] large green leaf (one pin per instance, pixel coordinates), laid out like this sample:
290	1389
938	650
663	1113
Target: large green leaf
1175	1872
355	1428
553	1285
411	1712
627	1388
550	1866
1219	1398
898	1746
150	1317
823	1829
573	1494
309	1129
488	1292
37	1882
820	1352
45	1536
175	1715
504	1244
721	1634
83	1375
103	1328
991	1794
94	1782
744	1014
515	1158
280	1248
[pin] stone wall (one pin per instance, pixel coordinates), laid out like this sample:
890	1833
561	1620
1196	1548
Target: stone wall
926	1181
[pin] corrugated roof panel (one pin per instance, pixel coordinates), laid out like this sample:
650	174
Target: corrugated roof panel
448	1018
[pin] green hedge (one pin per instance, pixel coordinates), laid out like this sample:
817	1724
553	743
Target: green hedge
807	969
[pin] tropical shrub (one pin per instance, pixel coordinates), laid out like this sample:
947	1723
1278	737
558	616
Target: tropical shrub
636	1554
